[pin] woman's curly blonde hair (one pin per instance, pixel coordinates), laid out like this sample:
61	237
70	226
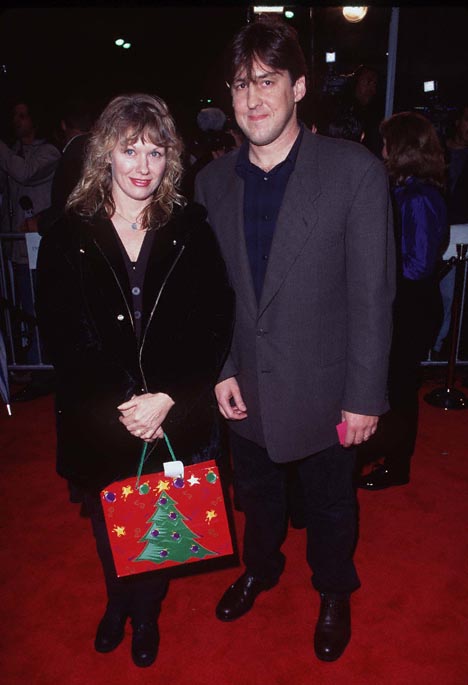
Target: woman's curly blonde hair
125	120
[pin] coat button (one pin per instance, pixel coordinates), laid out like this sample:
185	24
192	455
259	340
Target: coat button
137	315
120	317
136	291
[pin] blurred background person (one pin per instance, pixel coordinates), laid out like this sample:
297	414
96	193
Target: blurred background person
353	111
75	124
136	312
233	129
346	126
415	161
26	173
212	142
456	147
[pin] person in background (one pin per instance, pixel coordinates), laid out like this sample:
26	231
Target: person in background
415	162
456	148
354	114
135	309
233	129
75	124
211	142
26	173
304	224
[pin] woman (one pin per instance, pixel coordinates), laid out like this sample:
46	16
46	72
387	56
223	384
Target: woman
415	162
136	312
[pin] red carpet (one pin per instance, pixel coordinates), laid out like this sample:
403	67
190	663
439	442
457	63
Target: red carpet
410	618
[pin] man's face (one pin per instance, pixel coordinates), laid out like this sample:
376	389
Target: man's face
265	106
462	128
366	87
22	122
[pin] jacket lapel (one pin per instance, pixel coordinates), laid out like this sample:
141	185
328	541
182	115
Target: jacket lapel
106	240
296	220
166	245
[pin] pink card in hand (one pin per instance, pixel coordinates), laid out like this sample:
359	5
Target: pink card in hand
341	430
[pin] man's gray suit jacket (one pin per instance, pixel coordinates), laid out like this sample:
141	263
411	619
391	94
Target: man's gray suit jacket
318	341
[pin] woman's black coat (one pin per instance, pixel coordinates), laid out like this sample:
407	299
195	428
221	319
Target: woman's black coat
85	319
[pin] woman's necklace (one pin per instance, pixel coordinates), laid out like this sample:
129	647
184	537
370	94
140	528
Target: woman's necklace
133	224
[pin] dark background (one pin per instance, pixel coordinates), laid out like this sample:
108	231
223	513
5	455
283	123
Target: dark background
56	52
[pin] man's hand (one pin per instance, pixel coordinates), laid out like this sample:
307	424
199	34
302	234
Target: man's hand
230	402
359	427
143	415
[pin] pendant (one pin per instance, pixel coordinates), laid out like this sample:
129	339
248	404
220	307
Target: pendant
134	226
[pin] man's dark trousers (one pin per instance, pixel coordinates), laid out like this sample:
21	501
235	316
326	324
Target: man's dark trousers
329	508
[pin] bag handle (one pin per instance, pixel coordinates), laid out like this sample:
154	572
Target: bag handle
144	449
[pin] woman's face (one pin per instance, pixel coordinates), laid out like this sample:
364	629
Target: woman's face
137	170
384	149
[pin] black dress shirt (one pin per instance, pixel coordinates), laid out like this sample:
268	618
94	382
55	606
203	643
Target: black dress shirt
263	195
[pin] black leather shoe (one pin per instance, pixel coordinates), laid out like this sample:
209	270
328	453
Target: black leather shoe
380	478
333	629
240	597
111	630
145	643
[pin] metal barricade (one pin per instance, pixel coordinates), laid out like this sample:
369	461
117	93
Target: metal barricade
17	314
18	253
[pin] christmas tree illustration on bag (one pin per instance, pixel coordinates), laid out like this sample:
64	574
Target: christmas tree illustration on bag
168	537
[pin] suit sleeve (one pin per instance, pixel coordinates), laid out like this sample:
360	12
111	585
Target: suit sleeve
370	287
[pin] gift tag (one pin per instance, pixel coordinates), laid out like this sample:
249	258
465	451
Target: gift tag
173	469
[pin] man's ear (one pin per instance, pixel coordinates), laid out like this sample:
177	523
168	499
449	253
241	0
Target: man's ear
299	88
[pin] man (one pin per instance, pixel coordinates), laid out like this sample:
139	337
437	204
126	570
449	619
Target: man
303	223
26	172
75	124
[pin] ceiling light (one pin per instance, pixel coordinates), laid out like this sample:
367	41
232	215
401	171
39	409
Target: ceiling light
354	14
265	9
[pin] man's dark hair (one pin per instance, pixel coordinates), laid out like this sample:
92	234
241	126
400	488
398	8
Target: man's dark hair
268	40
345	125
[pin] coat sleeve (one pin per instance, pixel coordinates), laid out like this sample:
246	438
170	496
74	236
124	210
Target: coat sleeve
30	171
64	325
423	227
56	300
192	371
370	288
229	368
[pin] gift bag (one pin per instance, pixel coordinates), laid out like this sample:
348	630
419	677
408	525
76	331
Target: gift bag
174	517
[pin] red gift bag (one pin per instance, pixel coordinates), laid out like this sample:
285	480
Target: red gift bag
155	521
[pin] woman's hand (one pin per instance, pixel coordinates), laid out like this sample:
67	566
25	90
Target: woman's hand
143	415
